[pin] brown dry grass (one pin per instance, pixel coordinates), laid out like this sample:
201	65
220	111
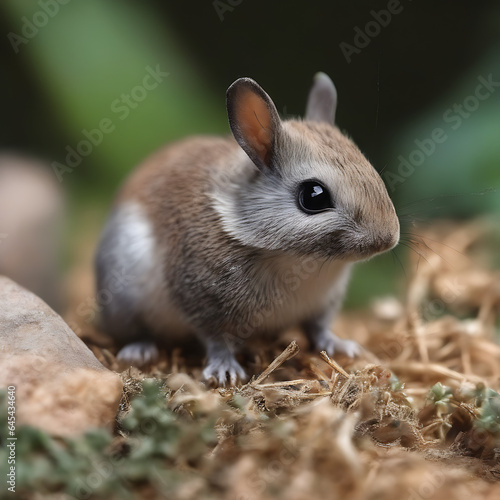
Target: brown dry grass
311	427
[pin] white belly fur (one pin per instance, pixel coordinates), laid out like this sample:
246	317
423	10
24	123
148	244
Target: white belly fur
136	255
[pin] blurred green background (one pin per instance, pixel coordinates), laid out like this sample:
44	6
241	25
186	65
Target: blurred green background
68	65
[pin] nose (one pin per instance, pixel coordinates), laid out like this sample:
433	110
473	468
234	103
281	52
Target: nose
391	238
386	239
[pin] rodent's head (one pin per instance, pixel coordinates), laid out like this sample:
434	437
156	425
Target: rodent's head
309	191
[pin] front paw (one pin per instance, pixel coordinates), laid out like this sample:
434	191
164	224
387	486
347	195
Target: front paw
222	367
329	342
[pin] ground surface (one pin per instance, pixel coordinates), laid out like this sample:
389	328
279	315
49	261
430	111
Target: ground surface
417	416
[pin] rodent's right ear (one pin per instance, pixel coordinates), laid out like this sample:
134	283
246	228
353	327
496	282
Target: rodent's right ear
322	100
254	120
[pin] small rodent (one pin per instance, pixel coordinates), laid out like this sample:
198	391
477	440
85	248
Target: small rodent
226	238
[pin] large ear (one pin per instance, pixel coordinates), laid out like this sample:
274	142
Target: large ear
322	100
253	119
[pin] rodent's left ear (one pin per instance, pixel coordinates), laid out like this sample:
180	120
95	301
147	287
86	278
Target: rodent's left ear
322	100
254	120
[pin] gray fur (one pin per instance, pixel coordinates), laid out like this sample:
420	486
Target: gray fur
217	246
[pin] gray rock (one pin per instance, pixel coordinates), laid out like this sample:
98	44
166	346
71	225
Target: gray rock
61	387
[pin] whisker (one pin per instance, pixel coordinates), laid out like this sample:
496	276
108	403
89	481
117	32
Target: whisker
450	195
396	257
409	211
407	245
436	241
427	203
411	221
418	240
383	168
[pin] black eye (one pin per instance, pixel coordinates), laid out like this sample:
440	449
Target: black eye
313	197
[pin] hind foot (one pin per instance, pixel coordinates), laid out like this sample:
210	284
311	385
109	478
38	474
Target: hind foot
329	342
138	353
